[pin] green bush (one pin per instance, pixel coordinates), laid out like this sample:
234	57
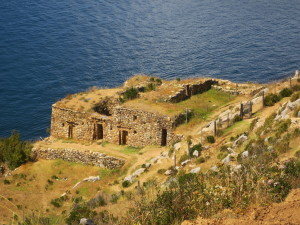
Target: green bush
78	212
161	171
197	147
130	93
271	99
286	92
211	139
152	79
237	118
126	184
114	198
158	81
6	181
178	79
13	151
200	160
150	87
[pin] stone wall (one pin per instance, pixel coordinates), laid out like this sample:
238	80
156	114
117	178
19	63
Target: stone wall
141	128
191	89
84	157
144	128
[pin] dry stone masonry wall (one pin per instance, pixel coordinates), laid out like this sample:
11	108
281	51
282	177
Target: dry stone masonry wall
84	157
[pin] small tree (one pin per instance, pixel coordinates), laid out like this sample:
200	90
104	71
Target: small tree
13	151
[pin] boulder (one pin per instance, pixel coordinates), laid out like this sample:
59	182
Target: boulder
130	178
214	168
169	172
148	165
240	139
138	172
226	160
86	221
195	170
195	153
245	154
177	146
91	179
185	162
237	167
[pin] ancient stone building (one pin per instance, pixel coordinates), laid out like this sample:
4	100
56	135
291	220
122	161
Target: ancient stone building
98	114
124	126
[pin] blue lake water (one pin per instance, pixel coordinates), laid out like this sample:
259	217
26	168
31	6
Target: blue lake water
51	48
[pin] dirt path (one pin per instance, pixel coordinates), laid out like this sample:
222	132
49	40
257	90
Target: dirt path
287	212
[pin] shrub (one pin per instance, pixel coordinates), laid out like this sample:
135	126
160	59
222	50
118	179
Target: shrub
158	81
131	93
211	139
152	79
54	177
114	198
295	96
200	160
161	171
298	80
286	92
296	132
126	184
296	87
78	212
237	118
271	99
282	127
58	202
13	151
150	87
197	147
96	202
6	181
178	79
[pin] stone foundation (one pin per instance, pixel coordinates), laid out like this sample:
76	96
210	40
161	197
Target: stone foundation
84	157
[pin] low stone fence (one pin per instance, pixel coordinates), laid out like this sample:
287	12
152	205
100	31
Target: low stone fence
84	157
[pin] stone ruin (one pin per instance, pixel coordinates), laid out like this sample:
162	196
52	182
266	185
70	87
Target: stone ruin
110	120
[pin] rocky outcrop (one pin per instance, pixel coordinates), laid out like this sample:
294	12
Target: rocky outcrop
84	157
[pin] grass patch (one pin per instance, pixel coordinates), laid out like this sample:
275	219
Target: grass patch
130	150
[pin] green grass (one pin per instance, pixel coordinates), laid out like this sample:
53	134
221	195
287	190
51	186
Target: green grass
103	173
130	150
238	127
84	191
203	105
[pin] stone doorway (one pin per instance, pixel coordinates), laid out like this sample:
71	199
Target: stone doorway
70	131
164	137
123	134
99	131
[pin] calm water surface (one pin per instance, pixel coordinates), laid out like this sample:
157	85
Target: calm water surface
51	48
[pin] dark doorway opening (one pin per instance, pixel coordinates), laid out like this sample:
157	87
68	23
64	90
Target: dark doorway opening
99	131
188	91
123	134
164	137
70	132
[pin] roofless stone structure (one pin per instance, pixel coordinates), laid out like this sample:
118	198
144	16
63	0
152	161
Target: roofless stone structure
102	114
